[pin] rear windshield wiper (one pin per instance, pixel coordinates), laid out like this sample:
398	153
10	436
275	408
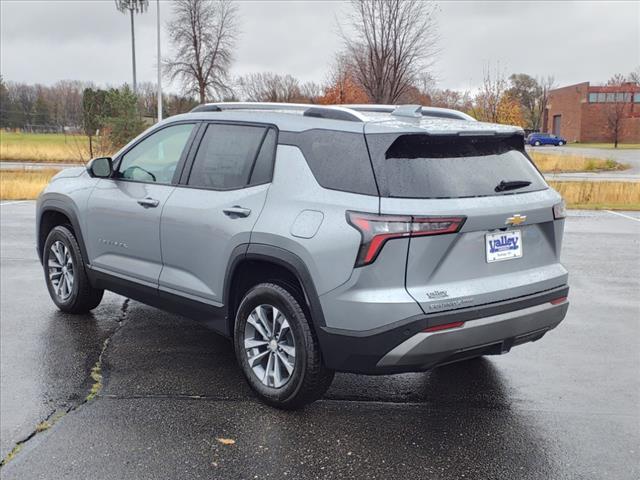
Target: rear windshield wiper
505	185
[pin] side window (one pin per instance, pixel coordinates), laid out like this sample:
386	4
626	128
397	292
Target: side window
338	160
226	156
156	157
263	169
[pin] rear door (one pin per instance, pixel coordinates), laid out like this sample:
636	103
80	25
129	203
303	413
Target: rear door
215	207
509	244
123	212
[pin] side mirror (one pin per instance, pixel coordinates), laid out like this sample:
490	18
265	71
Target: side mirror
100	167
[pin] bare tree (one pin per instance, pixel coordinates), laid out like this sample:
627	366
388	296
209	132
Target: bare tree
618	109
545	85
486	106
203	34
269	87
310	92
132	6
392	44
452	99
634	77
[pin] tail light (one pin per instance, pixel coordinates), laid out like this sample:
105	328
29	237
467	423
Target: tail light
559	210
377	229
558	301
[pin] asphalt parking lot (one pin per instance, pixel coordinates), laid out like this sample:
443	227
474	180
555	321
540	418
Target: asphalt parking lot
566	407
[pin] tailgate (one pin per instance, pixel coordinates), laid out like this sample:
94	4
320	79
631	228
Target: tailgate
451	271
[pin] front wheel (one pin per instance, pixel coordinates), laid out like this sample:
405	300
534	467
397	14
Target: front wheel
65	274
536	143
278	350
560	144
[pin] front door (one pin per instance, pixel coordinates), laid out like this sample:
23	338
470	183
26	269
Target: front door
123	212
215	208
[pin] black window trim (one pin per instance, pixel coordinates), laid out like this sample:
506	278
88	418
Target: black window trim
188	166
181	161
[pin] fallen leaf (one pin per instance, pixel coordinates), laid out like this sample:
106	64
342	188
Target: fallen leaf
226	441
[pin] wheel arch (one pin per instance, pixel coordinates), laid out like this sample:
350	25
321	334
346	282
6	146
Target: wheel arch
285	266
52	213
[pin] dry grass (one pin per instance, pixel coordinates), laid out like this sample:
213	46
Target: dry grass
43	147
550	163
23	185
606	146
609	195
27	185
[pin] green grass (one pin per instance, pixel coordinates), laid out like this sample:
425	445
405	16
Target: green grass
606	146
38	138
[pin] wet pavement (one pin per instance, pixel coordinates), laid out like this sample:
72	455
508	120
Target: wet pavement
566	407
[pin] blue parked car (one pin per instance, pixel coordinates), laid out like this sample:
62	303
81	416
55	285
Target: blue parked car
537	139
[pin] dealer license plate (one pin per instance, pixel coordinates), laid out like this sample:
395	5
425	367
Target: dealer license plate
503	245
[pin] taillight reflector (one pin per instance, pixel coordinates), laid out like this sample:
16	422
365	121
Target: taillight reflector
556	301
445	326
377	229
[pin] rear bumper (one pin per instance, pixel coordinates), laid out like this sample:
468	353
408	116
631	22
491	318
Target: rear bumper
405	347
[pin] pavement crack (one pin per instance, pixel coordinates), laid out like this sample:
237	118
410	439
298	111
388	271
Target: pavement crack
57	414
44	425
96	370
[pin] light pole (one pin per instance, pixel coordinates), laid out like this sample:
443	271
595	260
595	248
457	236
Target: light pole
159	65
132	6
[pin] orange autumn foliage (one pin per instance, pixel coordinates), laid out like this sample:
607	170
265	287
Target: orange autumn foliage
345	90
510	111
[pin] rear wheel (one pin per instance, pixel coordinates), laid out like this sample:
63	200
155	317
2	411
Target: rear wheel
65	274
536	143
560	143
277	348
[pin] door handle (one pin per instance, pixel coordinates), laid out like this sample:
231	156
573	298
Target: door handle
237	211
148	202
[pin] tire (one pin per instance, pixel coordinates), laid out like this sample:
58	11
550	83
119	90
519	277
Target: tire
536	143
81	297
309	379
560	144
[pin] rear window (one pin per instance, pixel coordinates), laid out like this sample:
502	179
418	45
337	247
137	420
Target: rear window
426	166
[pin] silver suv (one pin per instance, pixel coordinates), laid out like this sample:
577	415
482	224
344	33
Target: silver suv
366	238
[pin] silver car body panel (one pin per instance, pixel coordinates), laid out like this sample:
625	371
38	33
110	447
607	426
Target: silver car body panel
123	236
329	254
193	220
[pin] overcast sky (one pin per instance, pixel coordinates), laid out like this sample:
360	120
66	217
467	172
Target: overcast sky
47	41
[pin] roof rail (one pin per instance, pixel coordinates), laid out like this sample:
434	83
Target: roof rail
332	112
426	111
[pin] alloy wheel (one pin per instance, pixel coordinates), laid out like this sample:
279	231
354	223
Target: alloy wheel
270	346
61	270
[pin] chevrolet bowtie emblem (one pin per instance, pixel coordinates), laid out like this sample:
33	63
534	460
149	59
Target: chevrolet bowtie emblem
517	219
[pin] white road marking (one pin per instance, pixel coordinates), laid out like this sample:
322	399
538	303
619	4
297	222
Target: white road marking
14	202
623	215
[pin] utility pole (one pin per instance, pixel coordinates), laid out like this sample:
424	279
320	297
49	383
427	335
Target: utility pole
159	66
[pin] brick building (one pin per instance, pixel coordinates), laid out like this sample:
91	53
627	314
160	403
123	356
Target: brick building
581	112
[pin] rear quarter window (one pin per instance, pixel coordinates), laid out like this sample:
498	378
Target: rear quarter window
426	166
338	160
